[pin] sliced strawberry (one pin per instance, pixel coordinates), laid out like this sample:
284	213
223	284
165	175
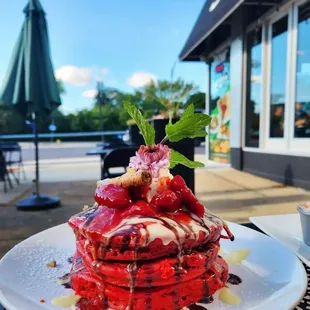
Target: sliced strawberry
139	207
177	183
191	202
168	201
163	184
112	196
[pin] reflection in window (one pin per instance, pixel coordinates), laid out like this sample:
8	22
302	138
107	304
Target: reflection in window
254	84
302	100
278	77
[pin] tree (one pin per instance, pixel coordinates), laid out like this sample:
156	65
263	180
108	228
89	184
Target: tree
11	122
169	95
61	87
198	99
104	96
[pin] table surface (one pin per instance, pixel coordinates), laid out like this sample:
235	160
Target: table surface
304	303
285	228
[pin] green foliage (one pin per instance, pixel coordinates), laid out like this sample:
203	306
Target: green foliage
105	94
170	96
11	122
153	99
61	87
177	158
189	126
198	100
145	127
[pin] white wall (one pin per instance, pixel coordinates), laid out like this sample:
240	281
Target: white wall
236	70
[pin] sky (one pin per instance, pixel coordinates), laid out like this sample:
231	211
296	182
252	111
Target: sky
123	43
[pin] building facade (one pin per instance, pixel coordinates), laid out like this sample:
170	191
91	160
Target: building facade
258	66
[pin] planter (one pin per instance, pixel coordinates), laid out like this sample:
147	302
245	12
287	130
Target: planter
135	135
185	147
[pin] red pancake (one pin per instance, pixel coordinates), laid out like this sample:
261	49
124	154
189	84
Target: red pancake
159	272
113	234
88	285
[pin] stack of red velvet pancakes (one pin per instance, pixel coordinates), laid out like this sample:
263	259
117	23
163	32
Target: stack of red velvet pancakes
145	246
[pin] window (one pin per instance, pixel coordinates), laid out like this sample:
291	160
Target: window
278	77
302	94
254	87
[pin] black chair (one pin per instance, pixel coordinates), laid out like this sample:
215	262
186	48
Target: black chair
14	161
118	158
4	175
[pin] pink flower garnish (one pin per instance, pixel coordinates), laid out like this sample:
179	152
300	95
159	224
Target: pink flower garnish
151	158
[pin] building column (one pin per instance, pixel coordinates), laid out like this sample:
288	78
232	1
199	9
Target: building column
236	68
207	108
236	85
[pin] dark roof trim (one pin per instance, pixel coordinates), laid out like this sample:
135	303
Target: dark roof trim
208	20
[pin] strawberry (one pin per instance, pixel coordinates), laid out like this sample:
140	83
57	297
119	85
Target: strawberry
191	202
177	183
167	201
112	196
139	207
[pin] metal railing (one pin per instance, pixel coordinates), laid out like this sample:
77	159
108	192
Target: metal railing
63	135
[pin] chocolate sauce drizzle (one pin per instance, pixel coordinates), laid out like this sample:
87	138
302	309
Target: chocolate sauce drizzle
234	279
133	267
195	307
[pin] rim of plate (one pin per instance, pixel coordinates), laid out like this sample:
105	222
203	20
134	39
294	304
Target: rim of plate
9	306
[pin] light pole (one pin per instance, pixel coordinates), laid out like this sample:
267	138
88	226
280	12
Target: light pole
172	71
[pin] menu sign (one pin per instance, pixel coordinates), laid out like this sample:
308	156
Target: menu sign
220	112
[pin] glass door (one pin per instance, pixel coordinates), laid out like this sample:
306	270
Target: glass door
277	96
300	116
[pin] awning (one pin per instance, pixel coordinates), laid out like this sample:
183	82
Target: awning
212	15
213	25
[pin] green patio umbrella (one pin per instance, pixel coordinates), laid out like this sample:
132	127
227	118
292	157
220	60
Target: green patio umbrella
30	84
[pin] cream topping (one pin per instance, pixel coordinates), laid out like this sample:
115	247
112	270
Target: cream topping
164	228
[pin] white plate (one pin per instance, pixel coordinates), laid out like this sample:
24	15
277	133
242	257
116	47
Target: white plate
273	277
286	229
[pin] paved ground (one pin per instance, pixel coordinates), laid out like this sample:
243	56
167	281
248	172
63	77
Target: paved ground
66	150
232	194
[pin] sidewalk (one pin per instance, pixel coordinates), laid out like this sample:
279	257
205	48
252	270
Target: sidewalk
231	194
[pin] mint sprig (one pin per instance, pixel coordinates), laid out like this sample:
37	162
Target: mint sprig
191	125
147	131
177	158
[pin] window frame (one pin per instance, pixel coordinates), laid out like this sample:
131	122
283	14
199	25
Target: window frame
297	144
281	142
288	145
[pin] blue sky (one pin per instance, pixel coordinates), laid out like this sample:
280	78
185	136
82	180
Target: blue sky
123	43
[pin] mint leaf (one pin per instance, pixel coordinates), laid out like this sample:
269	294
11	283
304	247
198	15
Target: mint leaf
146	129
177	158
189	126
189	111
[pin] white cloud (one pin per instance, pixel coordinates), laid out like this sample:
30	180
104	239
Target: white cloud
80	76
90	93
74	75
139	79
104	71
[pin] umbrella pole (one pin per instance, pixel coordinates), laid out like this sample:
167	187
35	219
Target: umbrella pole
37	201
36	147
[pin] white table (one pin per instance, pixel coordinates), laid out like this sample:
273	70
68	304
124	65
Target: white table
287	230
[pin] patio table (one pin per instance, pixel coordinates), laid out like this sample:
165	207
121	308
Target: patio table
102	153
304	303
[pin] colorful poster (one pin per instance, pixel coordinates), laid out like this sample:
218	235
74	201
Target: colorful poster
219	130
